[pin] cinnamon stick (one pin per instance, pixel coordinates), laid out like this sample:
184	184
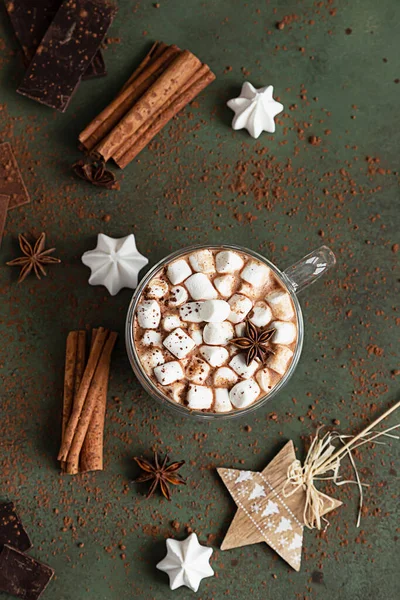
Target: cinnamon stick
91	457
79	401
170	81
155	51
94	394
139	82
135	144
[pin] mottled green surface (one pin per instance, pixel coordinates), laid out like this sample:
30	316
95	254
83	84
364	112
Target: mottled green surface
185	189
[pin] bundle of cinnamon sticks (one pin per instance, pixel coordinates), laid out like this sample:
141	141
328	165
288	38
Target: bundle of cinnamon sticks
85	400
164	83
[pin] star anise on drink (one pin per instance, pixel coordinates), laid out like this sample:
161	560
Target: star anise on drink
256	342
35	257
160	474
94	170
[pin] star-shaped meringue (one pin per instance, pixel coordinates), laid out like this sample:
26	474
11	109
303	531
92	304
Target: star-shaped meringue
255	109
115	263
186	563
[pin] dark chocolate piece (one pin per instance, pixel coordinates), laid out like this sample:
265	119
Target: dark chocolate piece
11	182
31	19
4	202
66	51
12	531
21	575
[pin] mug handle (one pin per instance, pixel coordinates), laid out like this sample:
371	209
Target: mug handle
307	270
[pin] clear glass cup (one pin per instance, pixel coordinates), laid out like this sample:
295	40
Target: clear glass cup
295	278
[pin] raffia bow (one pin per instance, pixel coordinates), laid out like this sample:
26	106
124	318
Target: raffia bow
323	462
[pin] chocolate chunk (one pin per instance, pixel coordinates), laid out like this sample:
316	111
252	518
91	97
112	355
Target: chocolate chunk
12	531
66	51
21	575
4	201
31	19
11	182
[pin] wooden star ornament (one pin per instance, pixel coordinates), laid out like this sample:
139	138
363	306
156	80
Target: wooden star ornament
265	512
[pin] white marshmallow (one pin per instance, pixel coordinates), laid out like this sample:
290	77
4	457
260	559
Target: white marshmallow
151	338
169	372
261	314
247	290
240	329
200	287
224	377
152	358
171	322
285	332
218	334
215	311
191	312
178	271
202	261
157	288
196	334
240	307
149	314
222	402
244	393
175	391
238	364
178	295
179	343
279	361
256	273
281	305
214	355
225	285
228	261
199	397
197	370
266	380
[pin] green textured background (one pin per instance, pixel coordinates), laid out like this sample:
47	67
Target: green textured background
202	182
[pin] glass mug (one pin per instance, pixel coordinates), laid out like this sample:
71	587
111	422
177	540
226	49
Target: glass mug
295	278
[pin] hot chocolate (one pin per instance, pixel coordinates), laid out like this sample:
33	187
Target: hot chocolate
197	321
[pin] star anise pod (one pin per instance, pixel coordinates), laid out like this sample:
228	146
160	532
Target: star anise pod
160	474
96	173
256	343
34	257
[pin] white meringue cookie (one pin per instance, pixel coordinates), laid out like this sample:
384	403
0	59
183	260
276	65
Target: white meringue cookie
256	273
281	305
214	355
261	314
178	295
244	393
149	314
179	343
225	285
178	271
218	334
255	109
222	402
169	372
240	307
228	261
202	261
285	332
200	287
186	563
199	397
214	311
238	364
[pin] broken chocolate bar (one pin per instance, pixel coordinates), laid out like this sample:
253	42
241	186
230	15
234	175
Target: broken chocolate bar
11	182
66	51
21	575
31	19
12	531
